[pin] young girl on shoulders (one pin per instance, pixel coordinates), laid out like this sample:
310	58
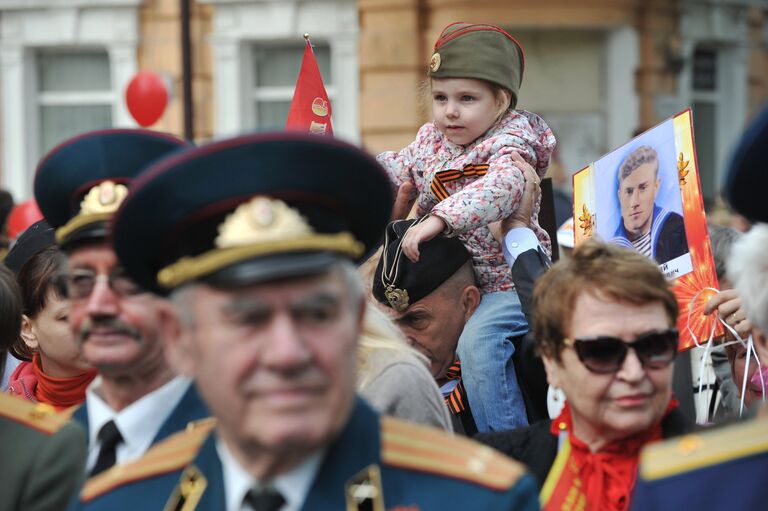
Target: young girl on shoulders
464	165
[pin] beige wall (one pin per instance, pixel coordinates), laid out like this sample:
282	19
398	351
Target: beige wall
160	51
396	38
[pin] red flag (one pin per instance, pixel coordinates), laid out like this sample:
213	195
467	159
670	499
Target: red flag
310	108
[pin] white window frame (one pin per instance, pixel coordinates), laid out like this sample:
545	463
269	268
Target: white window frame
275	93
240	25
716	26
63	98
26	26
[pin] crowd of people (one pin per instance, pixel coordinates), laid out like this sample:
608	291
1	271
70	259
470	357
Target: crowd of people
281	321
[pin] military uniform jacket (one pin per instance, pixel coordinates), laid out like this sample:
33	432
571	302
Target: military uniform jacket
42	455
720	469
409	466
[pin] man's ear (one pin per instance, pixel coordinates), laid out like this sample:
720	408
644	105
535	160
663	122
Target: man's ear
553	368
28	333
470	300
176	341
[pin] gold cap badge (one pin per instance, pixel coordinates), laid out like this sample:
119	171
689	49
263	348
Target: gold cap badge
261	226
261	220
434	62
105	197
398	298
98	205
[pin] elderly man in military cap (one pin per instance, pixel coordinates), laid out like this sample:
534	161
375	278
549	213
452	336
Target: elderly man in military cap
432	299
725	469
137	398
270	308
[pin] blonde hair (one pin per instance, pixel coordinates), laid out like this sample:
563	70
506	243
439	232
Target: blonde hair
379	333
501	95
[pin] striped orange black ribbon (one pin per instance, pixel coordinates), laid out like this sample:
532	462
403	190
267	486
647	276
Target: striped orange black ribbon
455	400
446	176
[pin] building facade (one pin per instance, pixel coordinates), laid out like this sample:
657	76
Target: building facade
598	71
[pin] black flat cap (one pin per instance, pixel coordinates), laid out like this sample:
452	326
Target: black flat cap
250	209
399	282
35	238
747	179
80	183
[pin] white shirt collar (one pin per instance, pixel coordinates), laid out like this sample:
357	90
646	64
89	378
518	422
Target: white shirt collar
293	486
138	422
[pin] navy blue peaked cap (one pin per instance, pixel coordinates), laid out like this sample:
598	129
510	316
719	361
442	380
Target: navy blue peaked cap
80	183
249	209
747	178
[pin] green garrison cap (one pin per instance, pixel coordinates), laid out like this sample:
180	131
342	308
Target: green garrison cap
484	52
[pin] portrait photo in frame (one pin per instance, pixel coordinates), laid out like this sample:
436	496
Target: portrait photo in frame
646	196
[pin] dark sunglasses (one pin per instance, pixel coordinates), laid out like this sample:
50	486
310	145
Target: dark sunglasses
605	354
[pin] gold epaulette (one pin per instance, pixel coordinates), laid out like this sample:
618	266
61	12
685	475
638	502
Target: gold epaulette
410	446
40	416
171	454
701	450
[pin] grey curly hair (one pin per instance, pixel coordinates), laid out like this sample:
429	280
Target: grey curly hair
748	270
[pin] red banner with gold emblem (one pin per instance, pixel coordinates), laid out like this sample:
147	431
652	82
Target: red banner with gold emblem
310	107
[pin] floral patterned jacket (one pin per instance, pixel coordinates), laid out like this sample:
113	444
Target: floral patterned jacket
489	189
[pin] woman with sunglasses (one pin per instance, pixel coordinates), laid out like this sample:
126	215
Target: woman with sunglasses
604	326
53	370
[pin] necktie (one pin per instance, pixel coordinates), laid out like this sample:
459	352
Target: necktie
110	437
264	499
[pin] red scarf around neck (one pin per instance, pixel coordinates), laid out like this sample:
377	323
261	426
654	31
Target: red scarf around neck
62	393
583	480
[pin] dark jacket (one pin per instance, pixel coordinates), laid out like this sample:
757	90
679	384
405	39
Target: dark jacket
668	239
536	446
42	456
528	267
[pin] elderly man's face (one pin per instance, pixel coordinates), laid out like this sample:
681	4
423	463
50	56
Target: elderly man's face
434	324
275	362
117	326
637	193
620	404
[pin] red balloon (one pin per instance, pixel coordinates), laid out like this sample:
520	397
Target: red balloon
146	97
22	216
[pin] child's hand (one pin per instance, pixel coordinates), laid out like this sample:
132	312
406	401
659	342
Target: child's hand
425	231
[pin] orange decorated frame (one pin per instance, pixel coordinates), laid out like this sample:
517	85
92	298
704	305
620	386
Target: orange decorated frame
693	288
